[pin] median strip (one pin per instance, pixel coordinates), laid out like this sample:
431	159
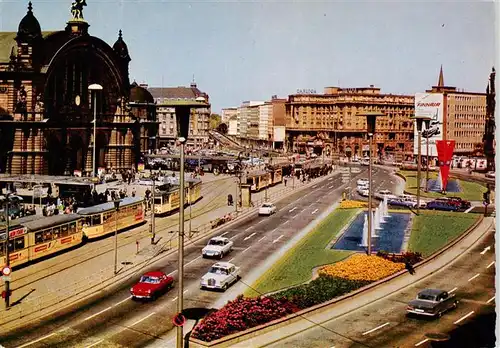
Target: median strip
375	329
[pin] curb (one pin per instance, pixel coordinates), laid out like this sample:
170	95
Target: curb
264	328
115	282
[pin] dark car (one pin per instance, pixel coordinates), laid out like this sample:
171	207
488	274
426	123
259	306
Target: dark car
432	302
440	205
151	285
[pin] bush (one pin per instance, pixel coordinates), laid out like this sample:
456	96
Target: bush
241	314
362	267
406	257
321	289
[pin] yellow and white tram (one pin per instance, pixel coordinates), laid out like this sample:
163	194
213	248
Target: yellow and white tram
33	237
99	220
168	200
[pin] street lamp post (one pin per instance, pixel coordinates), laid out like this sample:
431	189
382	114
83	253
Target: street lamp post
94	87
182	113
371	119
117	207
7	258
427	126
153	226
419	120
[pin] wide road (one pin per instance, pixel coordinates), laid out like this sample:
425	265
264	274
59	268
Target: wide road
384	323
114	320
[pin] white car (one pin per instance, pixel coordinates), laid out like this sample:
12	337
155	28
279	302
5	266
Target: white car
362	182
220	276
267	209
385	194
490	175
363	191
217	247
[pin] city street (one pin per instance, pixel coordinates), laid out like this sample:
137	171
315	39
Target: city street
113	319
384	323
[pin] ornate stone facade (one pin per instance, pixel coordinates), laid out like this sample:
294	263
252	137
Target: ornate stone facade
47	109
329	121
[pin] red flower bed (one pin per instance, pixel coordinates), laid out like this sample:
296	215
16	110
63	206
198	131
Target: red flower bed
241	314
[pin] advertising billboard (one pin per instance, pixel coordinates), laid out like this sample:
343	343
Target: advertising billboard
279	133
429	104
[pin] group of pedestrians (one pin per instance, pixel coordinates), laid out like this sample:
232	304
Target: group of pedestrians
56	206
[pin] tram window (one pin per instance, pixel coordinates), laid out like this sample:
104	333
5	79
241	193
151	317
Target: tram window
47	235
39	237
72	227
2	248
158	200
96	219
19	243
88	221
64	231
80	224
11	246
56	232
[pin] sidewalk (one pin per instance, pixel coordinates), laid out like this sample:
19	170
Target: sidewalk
82	273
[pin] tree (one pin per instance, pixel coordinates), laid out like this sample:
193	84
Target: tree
215	120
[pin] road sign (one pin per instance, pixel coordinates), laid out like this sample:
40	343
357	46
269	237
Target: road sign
6	271
179	320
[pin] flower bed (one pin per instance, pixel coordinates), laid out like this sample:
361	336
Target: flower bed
348	204
241	314
406	257
362	267
321	289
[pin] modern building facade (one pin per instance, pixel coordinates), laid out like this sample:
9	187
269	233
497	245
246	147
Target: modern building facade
228	113
166	98
265	122
47	109
464	116
330	122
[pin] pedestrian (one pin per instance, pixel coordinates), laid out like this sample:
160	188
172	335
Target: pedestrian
410	268
133	192
285	181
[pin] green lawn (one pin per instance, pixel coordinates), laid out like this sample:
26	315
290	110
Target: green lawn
471	191
434	229
296	266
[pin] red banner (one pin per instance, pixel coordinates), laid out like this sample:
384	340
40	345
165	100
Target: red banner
445	154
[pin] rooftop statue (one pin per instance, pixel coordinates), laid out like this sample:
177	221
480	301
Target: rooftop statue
77	9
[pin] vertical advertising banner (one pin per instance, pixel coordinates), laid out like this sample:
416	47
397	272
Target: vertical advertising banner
445	154
431	105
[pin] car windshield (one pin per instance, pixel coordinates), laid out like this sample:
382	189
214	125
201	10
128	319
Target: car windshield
267	206
215	242
218	270
150	280
426	297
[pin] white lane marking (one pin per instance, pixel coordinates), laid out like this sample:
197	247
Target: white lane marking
468	210
171	273
277	239
246	249
452	290
330	179
421	342
37	340
231	260
375	329
485	250
292	209
248	228
147	316
186	264
330	187
185	291
175	299
491	264
477	275
95	344
250	236
258	241
128	298
260	221
287	221
314	186
96	314
464	317
491	299
224	233
314	211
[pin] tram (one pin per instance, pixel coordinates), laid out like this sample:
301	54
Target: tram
32	237
262	179
167	199
99	220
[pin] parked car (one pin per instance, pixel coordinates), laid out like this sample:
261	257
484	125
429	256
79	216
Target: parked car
217	247
220	276
384	194
151	285
432	302
267	209
440	205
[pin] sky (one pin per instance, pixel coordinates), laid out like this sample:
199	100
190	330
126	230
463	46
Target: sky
251	50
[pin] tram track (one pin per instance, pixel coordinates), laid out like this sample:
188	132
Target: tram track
123	240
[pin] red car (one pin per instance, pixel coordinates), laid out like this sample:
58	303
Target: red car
151	285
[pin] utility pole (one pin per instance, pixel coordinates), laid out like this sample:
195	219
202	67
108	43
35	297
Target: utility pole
152	226
7	282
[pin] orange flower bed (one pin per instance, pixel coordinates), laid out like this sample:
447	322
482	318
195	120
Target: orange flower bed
348	204
362	267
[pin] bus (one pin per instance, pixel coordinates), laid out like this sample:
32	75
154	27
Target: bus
99	220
